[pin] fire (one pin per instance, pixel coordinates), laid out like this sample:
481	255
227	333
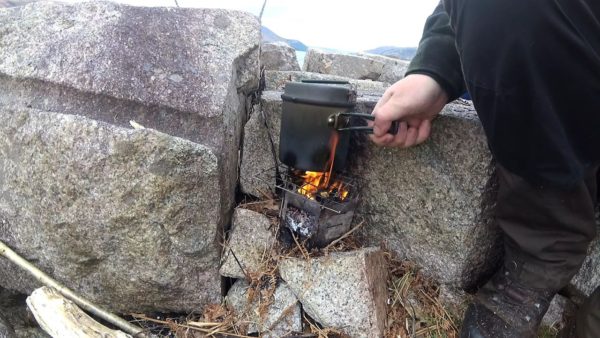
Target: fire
318	183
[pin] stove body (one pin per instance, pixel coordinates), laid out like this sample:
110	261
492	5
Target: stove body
316	221
318	203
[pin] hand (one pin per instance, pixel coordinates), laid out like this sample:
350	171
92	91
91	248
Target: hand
415	101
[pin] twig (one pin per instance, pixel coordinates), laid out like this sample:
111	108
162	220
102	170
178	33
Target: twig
202	324
195	328
344	235
302	250
176	4
240	265
262	11
43	278
244	205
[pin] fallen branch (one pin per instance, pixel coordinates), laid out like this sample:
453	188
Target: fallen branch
60	317
88	306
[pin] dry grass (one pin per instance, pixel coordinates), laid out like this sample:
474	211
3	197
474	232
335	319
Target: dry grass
413	306
315	330
414	309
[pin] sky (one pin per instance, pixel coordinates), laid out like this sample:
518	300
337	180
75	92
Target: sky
339	24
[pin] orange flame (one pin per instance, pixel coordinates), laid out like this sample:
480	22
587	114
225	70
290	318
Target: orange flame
318	183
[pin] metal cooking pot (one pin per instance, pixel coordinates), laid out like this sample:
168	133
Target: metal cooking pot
314	114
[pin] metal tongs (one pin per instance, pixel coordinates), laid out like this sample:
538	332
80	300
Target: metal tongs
341	121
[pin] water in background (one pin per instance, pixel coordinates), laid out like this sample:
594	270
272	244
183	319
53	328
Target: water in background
300	56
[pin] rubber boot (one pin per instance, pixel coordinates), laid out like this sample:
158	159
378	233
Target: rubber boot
505	308
588	317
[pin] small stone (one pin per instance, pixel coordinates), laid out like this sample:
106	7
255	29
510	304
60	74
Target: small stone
250	241
282	317
588	277
346	291
555	316
176	78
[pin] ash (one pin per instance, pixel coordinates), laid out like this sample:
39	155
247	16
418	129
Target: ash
300	222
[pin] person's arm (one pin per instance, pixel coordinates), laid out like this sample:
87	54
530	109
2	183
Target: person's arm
434	78
437	55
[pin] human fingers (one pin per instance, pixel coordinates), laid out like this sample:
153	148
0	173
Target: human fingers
383	140
381	127
417	133
383	118
424	131
403	136
411	136
400	136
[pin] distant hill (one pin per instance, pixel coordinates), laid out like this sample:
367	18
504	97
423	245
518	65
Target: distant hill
404	53
269	36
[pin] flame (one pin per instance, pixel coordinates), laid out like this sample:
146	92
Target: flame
318	183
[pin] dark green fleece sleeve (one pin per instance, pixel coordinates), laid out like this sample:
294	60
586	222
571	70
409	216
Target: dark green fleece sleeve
437	55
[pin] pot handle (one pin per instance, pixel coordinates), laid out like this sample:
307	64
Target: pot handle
335	122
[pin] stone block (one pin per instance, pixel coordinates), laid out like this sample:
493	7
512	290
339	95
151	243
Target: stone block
127	218
345	291
278	56
250	241
185	72
357	66
282	316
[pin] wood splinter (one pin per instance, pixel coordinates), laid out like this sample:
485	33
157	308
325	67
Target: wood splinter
60	317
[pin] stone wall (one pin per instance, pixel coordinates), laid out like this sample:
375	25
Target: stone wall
131	218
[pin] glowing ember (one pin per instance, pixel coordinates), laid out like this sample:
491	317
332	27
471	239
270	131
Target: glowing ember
318	183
